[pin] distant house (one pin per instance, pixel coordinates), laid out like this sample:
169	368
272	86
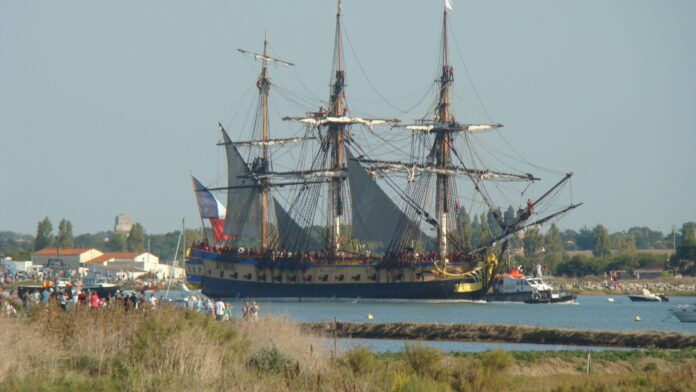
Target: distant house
142	260
64	257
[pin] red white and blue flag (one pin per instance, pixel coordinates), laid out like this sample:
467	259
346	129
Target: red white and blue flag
211	209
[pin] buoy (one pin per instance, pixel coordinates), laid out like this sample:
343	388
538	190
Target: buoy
610	299
637	318
370	316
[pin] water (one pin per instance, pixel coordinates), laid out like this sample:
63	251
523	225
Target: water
587	312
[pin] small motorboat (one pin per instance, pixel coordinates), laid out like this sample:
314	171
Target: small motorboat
648	297
685	314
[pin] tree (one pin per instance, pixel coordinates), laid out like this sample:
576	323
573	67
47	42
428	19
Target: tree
684	260
585	239
689	231
553	248
118	242
602	245
552	242
65	234
136	238
493	224
463	228
44	235
482	232
533	242
625	244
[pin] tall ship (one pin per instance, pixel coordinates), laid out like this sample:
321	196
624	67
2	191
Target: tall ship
352	222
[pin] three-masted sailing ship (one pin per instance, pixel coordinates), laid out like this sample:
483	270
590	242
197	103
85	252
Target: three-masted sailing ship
276	249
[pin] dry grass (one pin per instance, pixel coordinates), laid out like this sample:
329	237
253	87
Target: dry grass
309	350
171	349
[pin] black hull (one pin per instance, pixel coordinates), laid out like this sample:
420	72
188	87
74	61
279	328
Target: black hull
557	300
529	298
642	298
433	290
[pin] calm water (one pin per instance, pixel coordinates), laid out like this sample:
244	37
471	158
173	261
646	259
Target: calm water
588	312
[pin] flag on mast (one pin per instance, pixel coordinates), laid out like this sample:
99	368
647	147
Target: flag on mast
448	4
211	209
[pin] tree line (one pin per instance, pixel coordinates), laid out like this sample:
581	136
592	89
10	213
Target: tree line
21	247
610	251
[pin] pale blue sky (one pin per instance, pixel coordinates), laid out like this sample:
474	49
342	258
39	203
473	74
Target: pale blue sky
105	107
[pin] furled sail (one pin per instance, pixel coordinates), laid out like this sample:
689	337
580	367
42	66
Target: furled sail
375	216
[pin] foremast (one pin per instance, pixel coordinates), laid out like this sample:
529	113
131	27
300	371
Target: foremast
261	164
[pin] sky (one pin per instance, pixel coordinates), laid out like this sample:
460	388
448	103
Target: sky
106	107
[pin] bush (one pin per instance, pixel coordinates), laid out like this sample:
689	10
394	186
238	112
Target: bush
360	359
271	360
424	359
484	373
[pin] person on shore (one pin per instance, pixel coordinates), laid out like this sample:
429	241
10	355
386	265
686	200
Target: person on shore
63	300
246	311
219	310
94	300
254	311
45	296
228	311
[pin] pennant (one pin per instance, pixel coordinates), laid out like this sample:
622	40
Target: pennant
448	4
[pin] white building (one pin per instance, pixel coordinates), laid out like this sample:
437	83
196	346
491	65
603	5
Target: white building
64	257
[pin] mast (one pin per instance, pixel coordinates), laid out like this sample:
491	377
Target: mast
441	146
336	109
263	85
261	164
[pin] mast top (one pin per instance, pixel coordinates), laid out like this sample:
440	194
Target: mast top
265	57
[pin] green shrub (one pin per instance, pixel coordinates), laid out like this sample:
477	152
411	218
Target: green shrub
360	359
271	360
424	359
482	373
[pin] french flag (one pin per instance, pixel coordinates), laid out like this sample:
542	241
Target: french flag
211	209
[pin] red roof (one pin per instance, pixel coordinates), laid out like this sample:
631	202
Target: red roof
114	255
63	251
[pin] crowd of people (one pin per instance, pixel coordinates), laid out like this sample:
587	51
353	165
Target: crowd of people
14	302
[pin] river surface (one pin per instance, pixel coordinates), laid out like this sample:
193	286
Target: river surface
587	312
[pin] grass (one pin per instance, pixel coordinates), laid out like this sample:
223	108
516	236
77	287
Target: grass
172	349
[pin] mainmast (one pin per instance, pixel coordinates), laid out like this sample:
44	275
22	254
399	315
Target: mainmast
336	109
263	85
441	146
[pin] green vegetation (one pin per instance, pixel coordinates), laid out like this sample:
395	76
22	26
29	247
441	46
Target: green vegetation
172	349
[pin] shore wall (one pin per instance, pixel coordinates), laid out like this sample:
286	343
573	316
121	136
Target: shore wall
502	333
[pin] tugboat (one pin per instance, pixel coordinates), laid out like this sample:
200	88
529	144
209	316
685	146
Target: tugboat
514	286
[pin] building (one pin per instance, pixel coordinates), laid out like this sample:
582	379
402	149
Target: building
142	260
134	264
124	223
64	257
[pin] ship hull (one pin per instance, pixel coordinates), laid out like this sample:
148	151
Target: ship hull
241	278
227	288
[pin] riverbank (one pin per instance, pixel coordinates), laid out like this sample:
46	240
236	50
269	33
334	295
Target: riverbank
172	349
502	334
